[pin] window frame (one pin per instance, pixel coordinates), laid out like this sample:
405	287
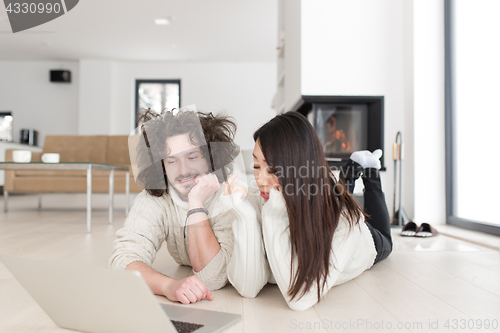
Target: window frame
162	81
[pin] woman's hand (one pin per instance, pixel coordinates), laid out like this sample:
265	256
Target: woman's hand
230	188
188	290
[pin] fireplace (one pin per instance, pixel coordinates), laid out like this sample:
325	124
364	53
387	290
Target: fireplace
345	124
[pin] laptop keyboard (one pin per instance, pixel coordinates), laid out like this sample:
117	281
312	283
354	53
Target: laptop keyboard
183	327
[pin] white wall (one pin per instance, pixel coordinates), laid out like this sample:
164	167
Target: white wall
293	52
358	48
101	97
396	49
96	98
408	128
35	102
243	90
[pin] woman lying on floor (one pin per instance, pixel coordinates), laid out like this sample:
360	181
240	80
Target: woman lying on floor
301	228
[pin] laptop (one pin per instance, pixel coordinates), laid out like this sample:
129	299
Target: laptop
98	300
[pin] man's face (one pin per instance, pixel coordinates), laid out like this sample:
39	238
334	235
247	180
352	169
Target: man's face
184	164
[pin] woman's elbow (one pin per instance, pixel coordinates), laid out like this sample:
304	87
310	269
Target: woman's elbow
297	305
244	290
249	293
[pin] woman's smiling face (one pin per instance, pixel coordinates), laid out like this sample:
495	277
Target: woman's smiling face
263	176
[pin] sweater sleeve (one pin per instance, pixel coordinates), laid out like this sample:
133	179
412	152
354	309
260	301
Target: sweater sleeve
276	232
214	274
248	270
142	235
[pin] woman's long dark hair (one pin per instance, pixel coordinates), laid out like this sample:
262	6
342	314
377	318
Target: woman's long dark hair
314	199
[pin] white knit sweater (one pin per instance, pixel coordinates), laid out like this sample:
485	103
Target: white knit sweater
153	220
262	251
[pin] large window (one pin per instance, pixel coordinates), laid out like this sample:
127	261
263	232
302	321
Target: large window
472	113
157	95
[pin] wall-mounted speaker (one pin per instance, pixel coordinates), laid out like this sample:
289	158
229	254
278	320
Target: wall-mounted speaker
60	76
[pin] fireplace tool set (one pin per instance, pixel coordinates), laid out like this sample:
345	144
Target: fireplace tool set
399	217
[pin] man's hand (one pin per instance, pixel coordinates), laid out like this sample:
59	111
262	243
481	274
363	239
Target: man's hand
188	290
230	188
206	185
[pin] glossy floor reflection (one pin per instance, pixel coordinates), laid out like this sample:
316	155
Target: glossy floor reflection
439	243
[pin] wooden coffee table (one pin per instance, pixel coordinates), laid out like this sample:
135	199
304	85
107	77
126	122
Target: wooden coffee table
77	167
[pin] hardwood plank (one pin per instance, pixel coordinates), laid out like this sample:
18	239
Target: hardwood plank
349	308
268	312
466	270
487	259
414	307
473	301
412	267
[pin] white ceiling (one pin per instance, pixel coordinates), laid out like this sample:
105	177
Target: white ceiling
203	30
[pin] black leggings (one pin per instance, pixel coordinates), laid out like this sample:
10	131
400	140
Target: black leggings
375	207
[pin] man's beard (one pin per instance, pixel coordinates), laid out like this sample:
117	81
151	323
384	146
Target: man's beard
185	188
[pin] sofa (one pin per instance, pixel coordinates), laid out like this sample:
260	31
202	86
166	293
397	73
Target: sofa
102	149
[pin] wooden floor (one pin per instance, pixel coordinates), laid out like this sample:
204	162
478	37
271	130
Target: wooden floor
426	285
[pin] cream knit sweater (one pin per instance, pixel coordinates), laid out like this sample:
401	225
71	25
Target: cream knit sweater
153	220
262	251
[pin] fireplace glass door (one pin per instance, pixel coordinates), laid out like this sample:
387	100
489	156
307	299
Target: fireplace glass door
342	128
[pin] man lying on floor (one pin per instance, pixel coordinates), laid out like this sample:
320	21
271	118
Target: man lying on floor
181	204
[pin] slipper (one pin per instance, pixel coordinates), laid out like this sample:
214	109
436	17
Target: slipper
426	230
409	229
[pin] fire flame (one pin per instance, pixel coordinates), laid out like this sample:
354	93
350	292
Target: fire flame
338	140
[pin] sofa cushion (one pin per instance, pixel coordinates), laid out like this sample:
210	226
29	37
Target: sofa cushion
77	148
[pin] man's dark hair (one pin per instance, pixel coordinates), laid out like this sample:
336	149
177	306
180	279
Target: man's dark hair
215	142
